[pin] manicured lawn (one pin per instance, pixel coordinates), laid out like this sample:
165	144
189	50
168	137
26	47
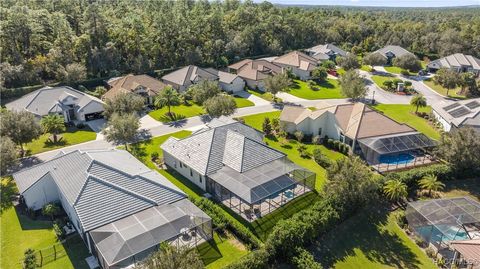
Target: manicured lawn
223	251
19	232
72	136
243	102
406	114
181	112
324	90
340	71
441	90
265	95
397	70
370	239
379	80
291	148
366	68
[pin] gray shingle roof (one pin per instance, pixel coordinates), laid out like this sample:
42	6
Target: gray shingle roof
456	60
396	50
188	75
48	99
208	150
322	52
87	178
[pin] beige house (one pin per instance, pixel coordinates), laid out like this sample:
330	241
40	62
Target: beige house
253	72
143	85
369	133
458	62
185	77
298	62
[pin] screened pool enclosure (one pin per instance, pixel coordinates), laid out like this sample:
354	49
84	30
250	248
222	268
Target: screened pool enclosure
259	191
441	221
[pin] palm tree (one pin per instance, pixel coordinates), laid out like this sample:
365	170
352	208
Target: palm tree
168	97
431	183
419	101
395	190
53	124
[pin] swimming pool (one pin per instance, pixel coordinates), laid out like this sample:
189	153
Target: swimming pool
448	233
402	158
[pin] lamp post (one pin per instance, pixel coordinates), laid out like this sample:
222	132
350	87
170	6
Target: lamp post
373	98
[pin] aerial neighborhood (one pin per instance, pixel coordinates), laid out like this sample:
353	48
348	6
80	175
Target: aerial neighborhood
229	135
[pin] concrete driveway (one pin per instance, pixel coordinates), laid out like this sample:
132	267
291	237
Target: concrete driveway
96	125
257	101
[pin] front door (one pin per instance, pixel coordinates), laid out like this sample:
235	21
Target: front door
71	114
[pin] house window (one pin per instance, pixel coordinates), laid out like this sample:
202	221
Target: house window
200	178
320	131
191	172
175	164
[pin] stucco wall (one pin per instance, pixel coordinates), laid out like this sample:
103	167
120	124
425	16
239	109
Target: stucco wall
40	193
237	85
446	126
184	170
92	107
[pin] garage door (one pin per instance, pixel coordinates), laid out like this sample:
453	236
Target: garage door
94	116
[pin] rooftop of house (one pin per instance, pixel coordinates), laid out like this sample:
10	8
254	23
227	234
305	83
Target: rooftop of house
322	52
224	77
102	185
130	83
459	112
256	69
51	100
457	60
297	59
396	50
356	120
188	75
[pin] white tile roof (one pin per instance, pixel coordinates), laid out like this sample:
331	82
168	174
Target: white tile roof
396	50
457	60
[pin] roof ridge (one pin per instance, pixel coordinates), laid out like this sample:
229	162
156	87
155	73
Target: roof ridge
209	151
47	161
84	183
158	184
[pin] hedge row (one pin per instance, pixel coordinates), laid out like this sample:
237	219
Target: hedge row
411	176
222	221
300	230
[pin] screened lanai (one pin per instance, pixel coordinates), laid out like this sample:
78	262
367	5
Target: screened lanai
129	240
259	191
441	221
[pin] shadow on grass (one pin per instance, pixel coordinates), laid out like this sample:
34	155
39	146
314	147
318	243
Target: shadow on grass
51	144
366	232
8	190
209	251
76	251
326	85
171	118
463	187
28	223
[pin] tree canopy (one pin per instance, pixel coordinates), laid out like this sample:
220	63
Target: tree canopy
374	59
8	153
125	103
204	90
352	85
53	124
122	129
277	83
408	62
348	62
220	105
21	127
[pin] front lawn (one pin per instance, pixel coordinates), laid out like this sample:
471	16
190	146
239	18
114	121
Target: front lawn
181	112
324	90
406	114
442	91
264	95
291	148
19	233
221	252
370	239
72	136
397	70
379	80
242	102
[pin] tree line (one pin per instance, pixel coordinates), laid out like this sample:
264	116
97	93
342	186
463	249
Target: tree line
65	40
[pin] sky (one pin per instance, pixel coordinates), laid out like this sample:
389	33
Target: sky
387	3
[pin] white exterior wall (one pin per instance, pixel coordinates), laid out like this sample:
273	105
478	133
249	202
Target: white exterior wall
446	125
253	84
302	74
41	192
311	126
237	85
185	171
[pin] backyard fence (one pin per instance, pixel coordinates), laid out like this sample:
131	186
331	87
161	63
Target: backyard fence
50	254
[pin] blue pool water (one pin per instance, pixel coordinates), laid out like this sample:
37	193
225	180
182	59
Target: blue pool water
449	233
401	158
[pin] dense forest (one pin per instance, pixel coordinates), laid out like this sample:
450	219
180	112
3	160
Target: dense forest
64	40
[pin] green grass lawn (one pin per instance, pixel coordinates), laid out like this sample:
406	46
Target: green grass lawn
324	90
291	147
397	70
242	102
458	188
370	239
406	114
341	71
221	252
264	95
19	233
366	68
441	90
379	80
181	112
72	136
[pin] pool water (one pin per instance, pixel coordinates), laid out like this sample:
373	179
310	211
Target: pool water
402	158
450	233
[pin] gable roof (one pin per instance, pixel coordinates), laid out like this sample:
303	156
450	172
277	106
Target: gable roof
188	75
130	83
224	77
256	69
222	143
457	60
49	100
396	50
102	185
459	112
322	52
297	59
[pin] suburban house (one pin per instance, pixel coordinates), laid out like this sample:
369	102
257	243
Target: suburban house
254	72
370	134
121	209
450	227
298	62
390	52
326	52
230	161
229	82
458	62
143	85
457	114
184	77
73	105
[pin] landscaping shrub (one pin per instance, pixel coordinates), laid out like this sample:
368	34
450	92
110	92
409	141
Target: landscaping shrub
266	126
221	221
396	81
341	147
299	136
304	260
401	219
430	252
257	259
321	159
404	72
275	122
29	260
336	145
411	176
302	150
57	228
154	155
346	149
316	140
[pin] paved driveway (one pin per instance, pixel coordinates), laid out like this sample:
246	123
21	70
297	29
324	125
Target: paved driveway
96	125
